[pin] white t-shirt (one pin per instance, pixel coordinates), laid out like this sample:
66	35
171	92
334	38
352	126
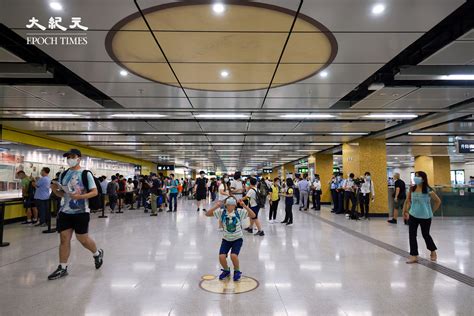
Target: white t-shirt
237	185
317	185
222	197
252	195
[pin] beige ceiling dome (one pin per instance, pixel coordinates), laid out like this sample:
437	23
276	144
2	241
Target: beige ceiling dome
234	48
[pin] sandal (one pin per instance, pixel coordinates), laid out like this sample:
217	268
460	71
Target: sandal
412	260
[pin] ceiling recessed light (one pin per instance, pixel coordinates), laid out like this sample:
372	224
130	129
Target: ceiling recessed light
123	73
218	8
323	74
224	74
56	6
379	8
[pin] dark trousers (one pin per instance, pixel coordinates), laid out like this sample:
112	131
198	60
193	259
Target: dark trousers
42	206
274	209
213	196
335	201
173	196
425	224
297	195
317	200
288	214
112	201
364	204
340	202
144	196
349	195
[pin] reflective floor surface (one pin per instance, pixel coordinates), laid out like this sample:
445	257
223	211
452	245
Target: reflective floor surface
153	266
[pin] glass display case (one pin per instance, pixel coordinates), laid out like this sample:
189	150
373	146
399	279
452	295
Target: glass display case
15	157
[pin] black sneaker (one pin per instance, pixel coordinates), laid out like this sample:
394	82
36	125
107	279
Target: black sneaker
249	230
99	260
153	214
197	209
58	273
392	221
204	210
260	233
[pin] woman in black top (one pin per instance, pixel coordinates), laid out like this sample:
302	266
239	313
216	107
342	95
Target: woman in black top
288	202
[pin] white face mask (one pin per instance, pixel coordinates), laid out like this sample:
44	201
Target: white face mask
226	179
72	162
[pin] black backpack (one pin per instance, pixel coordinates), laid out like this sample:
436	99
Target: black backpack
260	198
94	202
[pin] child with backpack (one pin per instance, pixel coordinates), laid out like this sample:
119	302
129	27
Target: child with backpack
232	240
256	201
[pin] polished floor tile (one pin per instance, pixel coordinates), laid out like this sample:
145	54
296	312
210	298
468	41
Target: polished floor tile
153	266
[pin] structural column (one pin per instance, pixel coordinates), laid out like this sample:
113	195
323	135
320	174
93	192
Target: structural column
323	164
437	168
369	155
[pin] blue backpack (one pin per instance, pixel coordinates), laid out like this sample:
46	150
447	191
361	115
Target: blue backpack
224	216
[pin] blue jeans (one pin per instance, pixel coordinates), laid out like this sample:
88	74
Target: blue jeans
173	196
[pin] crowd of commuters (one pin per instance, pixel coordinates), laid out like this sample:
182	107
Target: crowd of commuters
74	193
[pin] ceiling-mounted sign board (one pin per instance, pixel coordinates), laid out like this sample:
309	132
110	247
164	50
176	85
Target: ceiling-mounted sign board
466	146
267	170
165	167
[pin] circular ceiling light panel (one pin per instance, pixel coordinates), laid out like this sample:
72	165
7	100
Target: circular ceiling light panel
246	40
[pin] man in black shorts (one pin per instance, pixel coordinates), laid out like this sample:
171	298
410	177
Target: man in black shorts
74	213
200	189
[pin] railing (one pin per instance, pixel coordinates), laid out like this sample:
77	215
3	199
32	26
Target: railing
455	200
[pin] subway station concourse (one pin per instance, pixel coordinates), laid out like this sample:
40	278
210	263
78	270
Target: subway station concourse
222	157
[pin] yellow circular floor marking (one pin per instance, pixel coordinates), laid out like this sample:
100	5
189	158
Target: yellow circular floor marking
208	277
228	286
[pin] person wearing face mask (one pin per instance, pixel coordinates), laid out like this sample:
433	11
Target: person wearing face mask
333	186
349	195
74	213
224	188
366	194
237	187
418	210
316	188
340	193
274	196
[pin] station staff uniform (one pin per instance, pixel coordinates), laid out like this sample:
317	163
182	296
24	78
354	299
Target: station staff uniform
366	192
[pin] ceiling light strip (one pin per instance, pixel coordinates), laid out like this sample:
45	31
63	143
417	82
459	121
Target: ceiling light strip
282	52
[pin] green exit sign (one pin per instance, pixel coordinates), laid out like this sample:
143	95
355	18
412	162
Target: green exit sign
302	170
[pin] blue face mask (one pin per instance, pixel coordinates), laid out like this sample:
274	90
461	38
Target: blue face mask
367	177
418	180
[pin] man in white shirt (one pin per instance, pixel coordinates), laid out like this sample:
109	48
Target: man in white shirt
316	187
366	194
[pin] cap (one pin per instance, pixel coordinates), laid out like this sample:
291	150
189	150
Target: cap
73	151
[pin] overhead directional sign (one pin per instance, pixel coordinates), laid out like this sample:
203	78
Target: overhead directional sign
466	146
